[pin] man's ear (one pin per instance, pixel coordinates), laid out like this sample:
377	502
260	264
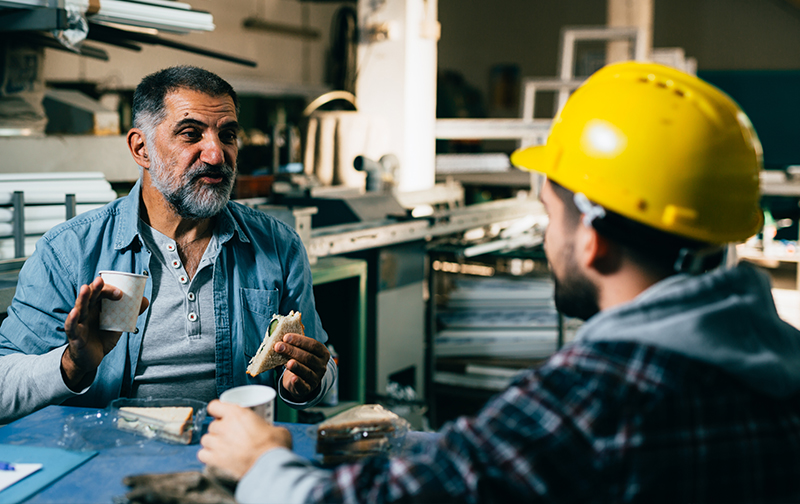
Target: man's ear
593	248
138	147
598	253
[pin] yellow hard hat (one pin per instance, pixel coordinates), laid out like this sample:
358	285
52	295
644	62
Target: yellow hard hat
657	146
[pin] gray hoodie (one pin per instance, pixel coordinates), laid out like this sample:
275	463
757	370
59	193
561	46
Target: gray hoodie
726	318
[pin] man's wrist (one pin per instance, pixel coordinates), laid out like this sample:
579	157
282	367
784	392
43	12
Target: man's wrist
284	393
74	377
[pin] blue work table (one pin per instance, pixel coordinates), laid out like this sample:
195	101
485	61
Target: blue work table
100	478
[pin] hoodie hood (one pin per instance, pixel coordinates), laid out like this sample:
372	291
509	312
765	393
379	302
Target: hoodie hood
726	318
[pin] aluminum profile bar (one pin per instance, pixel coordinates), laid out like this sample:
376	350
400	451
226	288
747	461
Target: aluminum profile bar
508	129
333	240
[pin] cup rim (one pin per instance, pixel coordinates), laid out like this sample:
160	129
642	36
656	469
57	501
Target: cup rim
271	393
124	273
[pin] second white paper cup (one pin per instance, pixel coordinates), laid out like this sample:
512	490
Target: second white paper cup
121	315
259	398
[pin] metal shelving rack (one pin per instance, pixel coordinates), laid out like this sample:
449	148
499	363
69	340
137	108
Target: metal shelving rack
455	378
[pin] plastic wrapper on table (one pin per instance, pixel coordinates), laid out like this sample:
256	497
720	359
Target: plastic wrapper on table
101	429
360	432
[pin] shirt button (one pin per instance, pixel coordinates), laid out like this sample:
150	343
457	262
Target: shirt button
183	279
171	247
176	264
190	296
192	317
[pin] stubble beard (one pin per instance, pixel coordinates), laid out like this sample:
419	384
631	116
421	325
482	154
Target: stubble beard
190	197
574	294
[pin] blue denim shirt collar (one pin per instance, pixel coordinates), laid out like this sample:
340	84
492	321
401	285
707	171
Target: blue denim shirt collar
128	230
227	227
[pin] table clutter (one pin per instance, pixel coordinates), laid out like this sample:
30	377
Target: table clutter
86	458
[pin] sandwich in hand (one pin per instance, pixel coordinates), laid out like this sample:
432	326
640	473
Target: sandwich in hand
266	357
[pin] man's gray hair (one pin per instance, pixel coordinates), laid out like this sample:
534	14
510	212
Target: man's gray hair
148	100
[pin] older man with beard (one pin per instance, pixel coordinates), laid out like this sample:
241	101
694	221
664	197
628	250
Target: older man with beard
217	272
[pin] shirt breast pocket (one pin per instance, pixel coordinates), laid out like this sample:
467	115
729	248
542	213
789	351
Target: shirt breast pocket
258	306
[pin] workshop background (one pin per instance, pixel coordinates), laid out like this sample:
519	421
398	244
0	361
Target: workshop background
380	130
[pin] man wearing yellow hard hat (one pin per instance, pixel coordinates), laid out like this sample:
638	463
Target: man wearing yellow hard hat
682	386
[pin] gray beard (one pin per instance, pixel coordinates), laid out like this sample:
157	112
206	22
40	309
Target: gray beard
190	198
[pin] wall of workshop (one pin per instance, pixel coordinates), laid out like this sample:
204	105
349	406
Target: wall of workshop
282	59
731	34
721	34
477	34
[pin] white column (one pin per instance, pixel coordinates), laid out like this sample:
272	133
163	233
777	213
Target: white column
397	81
637	13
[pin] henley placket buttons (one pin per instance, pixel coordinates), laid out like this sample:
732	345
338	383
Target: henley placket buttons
176	264
183	279
190	296
171	247
192	317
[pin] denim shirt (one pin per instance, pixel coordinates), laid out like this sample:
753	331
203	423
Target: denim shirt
262	269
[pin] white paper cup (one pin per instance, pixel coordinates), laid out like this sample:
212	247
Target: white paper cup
121	315
259	398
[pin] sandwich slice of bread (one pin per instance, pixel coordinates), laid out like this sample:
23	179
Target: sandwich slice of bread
357	432
266	357
171	422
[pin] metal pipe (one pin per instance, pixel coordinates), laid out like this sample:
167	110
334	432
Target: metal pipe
18	200
72	206
255	23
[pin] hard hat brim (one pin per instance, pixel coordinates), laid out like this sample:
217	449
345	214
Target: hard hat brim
533	159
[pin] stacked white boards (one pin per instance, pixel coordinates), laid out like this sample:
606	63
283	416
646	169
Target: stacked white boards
165	15
498	317
45	196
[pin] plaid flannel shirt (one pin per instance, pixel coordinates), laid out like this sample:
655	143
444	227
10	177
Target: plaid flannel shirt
601	422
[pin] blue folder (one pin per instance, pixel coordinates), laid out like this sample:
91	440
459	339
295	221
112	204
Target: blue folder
55	464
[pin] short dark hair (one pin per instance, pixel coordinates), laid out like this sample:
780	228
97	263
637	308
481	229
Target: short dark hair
652	249
148	100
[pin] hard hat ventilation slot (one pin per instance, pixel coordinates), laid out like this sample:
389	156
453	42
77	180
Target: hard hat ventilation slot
665	84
